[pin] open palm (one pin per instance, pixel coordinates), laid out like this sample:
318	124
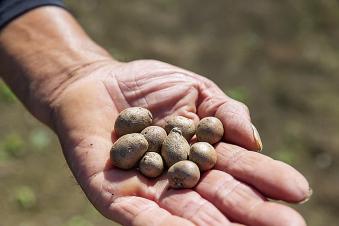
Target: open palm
235	191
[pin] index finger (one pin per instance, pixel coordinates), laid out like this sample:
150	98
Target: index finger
233	114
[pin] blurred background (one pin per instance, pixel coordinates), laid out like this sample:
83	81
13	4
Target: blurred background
281	58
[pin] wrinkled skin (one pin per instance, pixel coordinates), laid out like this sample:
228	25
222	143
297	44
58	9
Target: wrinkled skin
236	190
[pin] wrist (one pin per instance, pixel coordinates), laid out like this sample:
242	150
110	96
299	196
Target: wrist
44	93
44	50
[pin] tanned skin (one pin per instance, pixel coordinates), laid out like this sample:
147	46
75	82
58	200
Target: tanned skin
76	88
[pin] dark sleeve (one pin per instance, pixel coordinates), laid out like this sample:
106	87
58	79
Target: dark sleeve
10	9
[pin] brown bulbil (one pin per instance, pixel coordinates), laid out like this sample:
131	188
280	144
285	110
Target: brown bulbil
186	126
132	120
204	155
128	150
210	129
183	174
175	147
155	136
151	165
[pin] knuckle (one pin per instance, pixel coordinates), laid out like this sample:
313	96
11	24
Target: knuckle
243	106
198	207
224	192
236	158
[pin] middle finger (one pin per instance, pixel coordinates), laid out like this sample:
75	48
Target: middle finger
275	179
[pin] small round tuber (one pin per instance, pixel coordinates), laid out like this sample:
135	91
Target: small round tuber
151	165
183	174
186	126
128	150
204	155
155	136
175	147
210	129
132	120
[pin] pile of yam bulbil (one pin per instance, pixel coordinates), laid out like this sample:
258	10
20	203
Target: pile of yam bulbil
152	148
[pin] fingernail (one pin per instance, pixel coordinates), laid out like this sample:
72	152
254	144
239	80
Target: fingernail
257	138
310	192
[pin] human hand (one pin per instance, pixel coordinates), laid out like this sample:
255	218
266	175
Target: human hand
235	191
78	90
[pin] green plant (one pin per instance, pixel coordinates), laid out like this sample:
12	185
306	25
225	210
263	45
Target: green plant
25	197
12	146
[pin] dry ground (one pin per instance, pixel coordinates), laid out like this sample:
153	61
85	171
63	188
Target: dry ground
279	57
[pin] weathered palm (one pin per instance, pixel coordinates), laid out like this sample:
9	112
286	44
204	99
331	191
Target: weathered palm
84	115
